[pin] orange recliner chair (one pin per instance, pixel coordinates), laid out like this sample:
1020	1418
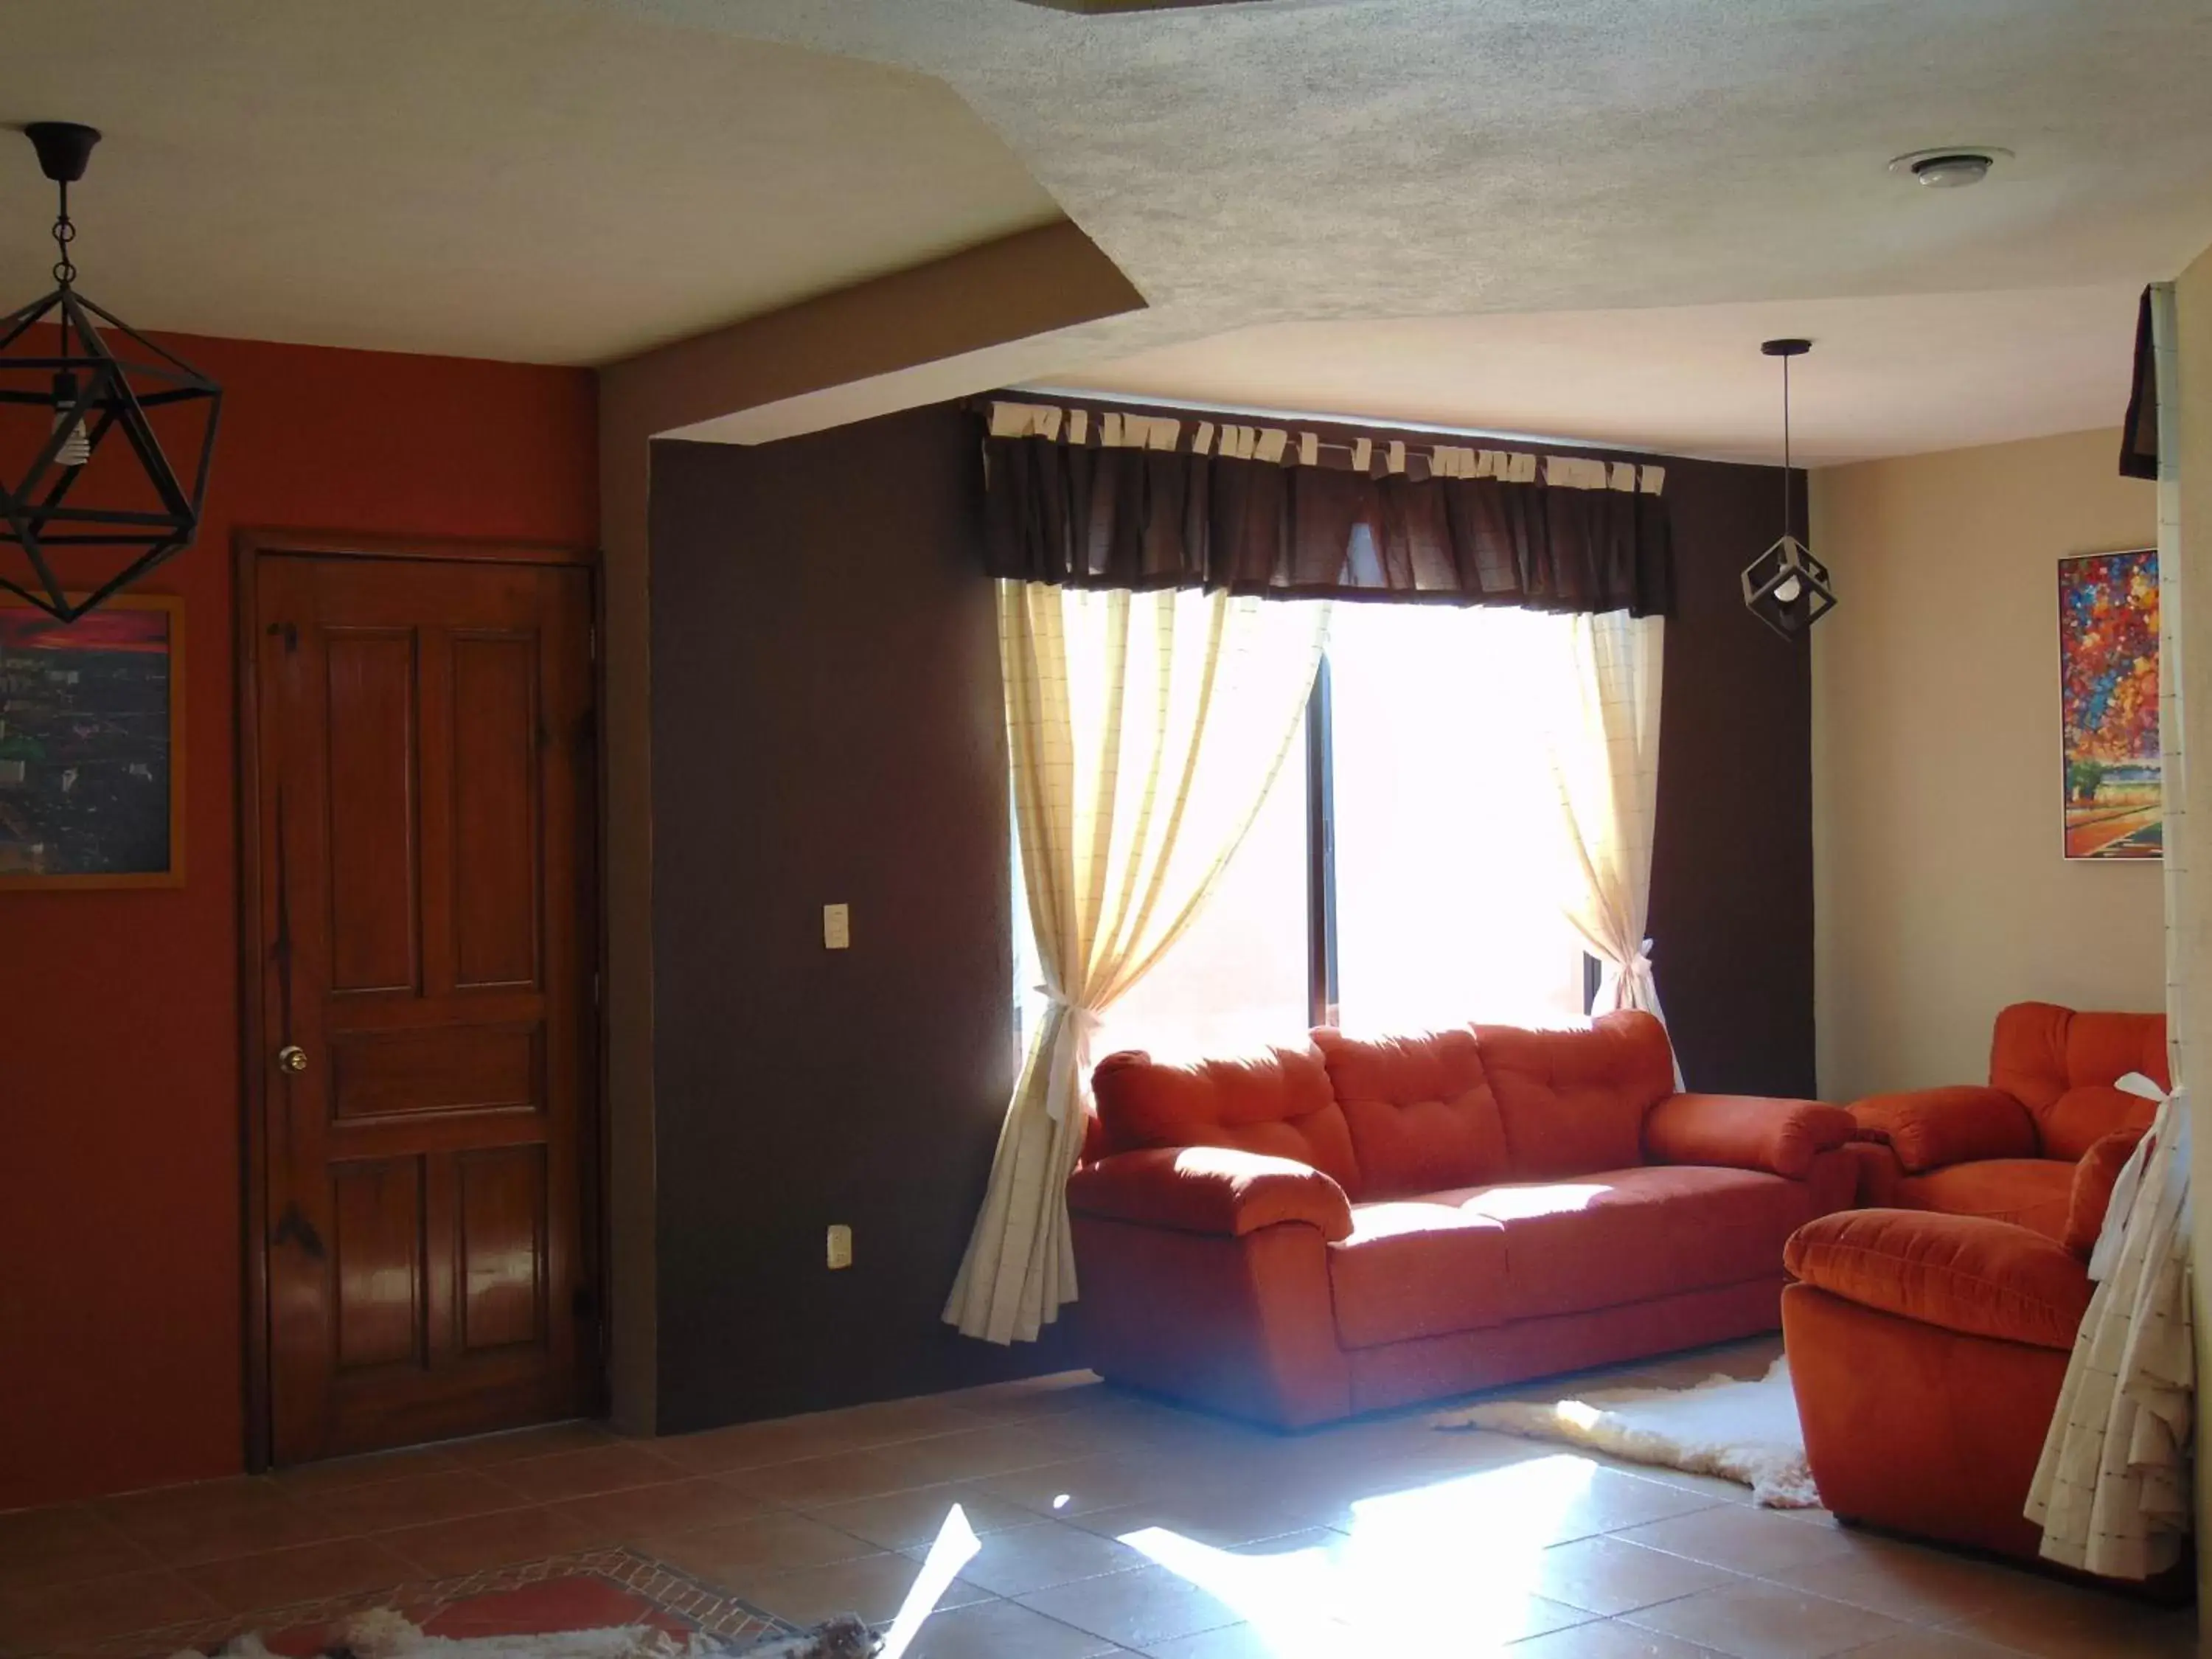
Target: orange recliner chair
2008	1151
1927	1351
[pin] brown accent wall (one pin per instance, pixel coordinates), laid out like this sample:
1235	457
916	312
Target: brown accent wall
827	727
1732	864
955	325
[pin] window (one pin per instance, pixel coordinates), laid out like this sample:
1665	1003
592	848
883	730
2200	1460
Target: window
1403	871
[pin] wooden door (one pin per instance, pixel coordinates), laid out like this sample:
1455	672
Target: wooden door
425	863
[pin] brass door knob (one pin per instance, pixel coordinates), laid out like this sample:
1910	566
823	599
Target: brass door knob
292	1058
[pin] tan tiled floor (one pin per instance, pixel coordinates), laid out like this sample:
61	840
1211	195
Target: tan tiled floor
1109	1524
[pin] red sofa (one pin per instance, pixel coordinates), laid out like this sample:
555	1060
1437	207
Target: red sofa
2010	1151
1350	1225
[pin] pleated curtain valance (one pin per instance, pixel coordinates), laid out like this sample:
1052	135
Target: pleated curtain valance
1104	498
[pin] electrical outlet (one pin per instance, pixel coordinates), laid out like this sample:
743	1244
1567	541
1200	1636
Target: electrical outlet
836	926
841	1246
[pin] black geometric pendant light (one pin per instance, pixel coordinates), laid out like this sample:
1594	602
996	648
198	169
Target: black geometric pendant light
81	465
1786	587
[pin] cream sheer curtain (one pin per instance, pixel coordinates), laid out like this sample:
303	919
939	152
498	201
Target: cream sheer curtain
1604	742
1144	729
2112	1490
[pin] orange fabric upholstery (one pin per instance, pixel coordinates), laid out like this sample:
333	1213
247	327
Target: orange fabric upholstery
1929	1128
1744	1131
1877	1176
1575	1101
1414	1268
2060	1065
1427	1368
1419	1108
2094	1177
2035	1193
1240	1325
2082	1117
1209	1189
1919	1427
1630	1235
1279	1104
1287	1238
1960	1272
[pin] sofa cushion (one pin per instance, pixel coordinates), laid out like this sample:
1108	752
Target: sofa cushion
2029	1192
1620	1235
1574	1100
1958	1272
1416	1267
2061	1065
1278	1103
1419	1108
2095	1178
2085	1115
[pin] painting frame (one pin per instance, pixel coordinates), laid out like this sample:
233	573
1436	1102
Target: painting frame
2110	752
171	605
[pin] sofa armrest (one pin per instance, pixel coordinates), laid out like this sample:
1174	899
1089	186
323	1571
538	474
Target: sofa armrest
1209	1189
1962	1273
1928	1129
1745	1132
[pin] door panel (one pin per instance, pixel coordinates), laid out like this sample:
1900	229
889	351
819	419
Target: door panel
368	714
424	765
495	809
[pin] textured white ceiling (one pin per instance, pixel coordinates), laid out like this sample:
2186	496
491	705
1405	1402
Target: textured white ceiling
1308	160
487	177
568	180
1895	375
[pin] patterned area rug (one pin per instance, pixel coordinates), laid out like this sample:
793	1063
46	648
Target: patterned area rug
593	1590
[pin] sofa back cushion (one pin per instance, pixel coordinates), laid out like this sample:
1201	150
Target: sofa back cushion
2060	1065
1419	1108
1277	1102
1573	1100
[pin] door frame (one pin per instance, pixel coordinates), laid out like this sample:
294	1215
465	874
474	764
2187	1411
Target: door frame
248	546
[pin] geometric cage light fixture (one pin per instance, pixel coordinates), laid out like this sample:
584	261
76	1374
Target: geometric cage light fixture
1786	587
83	472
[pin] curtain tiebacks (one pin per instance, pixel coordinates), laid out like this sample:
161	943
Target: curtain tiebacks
2119	1209
1630	983
1070	1052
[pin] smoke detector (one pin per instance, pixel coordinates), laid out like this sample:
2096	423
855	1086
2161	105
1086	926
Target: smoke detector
1953	167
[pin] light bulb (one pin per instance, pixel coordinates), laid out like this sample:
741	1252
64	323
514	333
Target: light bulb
1788	592
76	447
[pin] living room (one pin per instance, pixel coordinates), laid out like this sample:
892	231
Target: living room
775	583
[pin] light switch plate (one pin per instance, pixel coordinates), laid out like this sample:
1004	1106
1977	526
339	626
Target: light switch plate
839	1249
836	926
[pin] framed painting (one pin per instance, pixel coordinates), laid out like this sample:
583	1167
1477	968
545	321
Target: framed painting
2108	678
92	745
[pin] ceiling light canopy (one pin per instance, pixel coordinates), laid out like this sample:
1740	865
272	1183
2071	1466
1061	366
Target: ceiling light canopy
1786	587
82	469
1950	166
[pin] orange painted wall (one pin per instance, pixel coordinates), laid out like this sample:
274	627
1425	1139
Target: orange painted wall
119	1115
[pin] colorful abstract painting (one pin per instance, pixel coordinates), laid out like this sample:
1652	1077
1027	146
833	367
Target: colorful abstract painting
2108	667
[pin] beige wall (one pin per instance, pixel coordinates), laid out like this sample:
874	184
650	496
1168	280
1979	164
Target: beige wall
1939	888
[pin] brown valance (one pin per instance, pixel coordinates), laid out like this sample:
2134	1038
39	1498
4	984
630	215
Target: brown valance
1119	499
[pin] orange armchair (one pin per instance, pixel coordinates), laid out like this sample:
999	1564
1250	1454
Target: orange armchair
1927	1351
2008	1151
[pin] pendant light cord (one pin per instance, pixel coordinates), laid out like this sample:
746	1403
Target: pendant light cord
64	234
1787	504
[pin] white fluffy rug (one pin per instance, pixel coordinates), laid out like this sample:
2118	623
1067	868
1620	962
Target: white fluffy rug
1746	1432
